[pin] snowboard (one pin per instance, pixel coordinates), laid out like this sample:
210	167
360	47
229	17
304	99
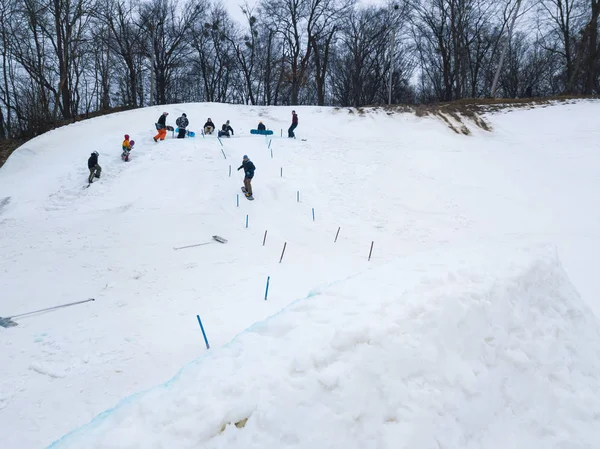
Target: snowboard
266	132
187	133
250	197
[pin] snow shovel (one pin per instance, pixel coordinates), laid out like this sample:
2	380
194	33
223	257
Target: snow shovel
215	238
8	321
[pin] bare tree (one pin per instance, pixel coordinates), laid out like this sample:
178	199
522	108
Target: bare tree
592	61
7	16
360	57
125	40
564	18
214	53
168	27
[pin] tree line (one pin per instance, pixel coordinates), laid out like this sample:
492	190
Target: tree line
62	59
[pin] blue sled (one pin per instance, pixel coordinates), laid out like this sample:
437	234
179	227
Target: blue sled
262	132
188	133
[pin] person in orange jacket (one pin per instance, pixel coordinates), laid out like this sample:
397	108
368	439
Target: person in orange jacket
161	126
126	151
126	146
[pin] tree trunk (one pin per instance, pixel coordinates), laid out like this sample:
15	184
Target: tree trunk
62	50
592	65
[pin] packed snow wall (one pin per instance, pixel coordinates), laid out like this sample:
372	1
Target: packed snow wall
470	352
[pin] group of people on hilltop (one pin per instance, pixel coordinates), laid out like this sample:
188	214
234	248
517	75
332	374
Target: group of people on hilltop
182	123
261	126
94	167
225	131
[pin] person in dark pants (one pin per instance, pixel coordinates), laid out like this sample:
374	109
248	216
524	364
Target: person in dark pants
225	130
182	122
294	125
93	166
249	168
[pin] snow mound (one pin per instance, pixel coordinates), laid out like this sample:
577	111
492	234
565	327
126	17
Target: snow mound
468	353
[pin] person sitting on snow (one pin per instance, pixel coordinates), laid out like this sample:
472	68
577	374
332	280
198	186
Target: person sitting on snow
261	126
93	166
182	122
226	129
209	126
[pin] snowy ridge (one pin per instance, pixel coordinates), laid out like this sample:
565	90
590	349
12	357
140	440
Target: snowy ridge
485	354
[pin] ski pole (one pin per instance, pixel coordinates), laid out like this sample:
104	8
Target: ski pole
52	308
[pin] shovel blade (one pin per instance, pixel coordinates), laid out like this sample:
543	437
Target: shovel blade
7	322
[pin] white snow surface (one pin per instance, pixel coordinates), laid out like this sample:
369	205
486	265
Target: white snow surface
466	329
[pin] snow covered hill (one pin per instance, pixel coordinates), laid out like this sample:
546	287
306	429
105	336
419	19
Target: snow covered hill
462	331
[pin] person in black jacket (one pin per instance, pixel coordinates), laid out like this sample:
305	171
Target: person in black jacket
93	166
161	126
249	168
209	127
261	126
226	129
182	122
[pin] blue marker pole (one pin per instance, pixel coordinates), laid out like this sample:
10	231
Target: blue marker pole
271	153
223	153
269	143
203	333
219	139
267	290
230	171
246	221
298	196
313	209
237	199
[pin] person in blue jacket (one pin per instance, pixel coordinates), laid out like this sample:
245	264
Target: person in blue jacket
249	168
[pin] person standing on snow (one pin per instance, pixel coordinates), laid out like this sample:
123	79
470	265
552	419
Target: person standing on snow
161	126
182	122
93	166
249	168
125	154
126	146
226	129
294	125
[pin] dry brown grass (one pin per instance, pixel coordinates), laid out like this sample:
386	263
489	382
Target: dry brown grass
7	147
458	115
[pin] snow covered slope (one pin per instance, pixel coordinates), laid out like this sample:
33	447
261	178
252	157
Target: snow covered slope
487	355
411	185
